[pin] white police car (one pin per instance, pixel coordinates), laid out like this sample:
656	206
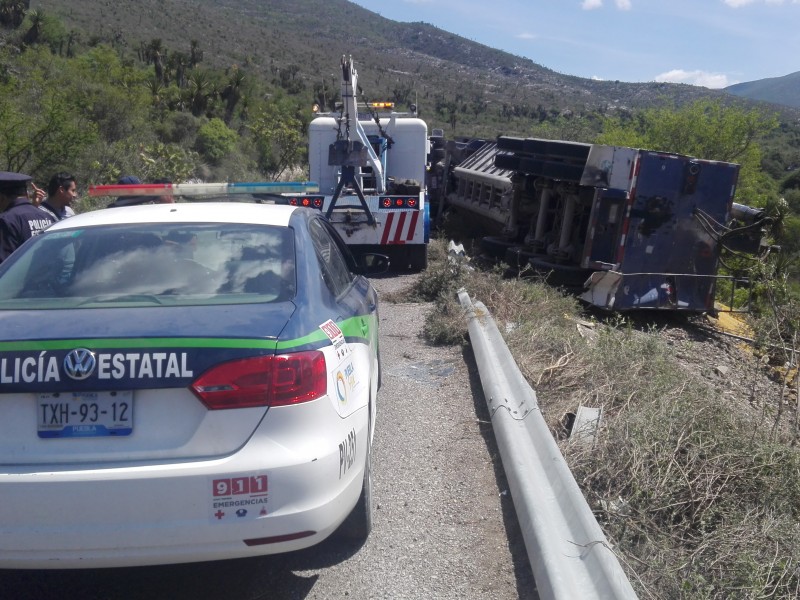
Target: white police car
184	382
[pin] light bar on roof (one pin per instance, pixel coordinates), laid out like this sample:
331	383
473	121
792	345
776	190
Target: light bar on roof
205	189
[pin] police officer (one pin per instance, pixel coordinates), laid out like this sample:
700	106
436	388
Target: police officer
19	219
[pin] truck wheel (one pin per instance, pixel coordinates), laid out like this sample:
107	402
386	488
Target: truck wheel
518	258
569	276
495	247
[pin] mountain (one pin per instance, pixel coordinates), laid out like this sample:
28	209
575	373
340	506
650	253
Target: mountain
303	40
415	62
778	90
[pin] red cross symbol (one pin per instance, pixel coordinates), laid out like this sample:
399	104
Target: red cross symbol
219	514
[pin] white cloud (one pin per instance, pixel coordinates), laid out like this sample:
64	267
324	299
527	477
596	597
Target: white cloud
596	78
593	4
701	78
526	36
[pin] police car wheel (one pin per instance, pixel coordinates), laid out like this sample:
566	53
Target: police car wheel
358	524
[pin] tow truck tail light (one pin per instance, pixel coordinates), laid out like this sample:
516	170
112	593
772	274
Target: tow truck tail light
399	202
307	201
263	381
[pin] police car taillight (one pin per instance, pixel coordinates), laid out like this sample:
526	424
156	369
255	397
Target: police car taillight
263	381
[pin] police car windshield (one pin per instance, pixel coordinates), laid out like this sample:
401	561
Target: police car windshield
151	265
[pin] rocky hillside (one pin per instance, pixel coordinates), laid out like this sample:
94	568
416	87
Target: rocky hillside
304	39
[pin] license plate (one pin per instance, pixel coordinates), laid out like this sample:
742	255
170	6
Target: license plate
85	414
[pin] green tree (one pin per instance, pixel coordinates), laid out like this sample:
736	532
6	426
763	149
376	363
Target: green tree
278	137
232	92
199	91
112	95
42	126
215	140
36	20
12	12
704	129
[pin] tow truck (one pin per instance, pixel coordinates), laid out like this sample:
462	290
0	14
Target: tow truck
367	166
370	163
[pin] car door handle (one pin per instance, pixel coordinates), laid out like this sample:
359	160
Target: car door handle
372	306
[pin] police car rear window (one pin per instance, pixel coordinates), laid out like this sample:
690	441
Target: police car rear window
152	264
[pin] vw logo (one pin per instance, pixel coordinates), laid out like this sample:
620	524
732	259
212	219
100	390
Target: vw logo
79	363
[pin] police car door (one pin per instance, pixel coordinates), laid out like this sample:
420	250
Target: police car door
357	317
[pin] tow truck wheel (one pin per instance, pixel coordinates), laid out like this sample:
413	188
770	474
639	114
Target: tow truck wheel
418	258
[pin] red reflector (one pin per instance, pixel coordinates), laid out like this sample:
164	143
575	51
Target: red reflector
387	202
306	202
398	202
293	201
279	538
412	202
263	381
318	202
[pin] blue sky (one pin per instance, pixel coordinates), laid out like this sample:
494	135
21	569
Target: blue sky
713	43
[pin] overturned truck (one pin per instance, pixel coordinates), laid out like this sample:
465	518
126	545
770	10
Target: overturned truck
627	229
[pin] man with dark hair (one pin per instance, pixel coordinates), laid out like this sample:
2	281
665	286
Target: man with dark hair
19	219
61	193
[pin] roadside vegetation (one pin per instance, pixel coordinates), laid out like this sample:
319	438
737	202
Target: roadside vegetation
96	108
694	478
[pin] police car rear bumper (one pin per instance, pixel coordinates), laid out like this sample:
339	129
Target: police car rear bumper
294	496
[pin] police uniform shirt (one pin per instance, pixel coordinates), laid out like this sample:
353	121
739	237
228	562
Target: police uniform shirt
20	221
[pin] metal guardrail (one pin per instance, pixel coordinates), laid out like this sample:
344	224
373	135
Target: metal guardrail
568	552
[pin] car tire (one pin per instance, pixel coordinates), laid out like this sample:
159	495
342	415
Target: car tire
358	524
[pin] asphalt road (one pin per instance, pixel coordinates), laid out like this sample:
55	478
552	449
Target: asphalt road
444	522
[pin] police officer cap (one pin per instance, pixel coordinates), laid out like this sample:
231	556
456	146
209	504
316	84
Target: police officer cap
13	181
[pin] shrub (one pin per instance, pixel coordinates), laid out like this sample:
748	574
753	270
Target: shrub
215	140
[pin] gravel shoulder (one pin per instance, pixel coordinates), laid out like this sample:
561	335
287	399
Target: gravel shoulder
444	513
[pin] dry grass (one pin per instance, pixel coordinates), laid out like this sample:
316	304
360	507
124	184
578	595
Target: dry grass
699	495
